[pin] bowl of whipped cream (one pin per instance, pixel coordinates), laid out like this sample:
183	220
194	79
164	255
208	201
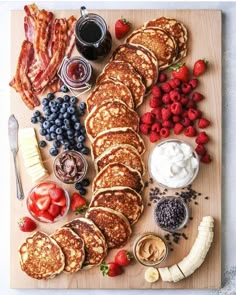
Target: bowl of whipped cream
173	164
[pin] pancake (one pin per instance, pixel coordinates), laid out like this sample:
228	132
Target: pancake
117	174
73	248
110	89
108	138
176	29
159	42
122	199
110	114
113	225
121	153
94	242
41	257
143	61
125	73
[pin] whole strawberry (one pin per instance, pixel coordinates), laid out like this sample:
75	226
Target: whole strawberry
122	27
78	203
110	269
181	72
26	224
123	258
199	67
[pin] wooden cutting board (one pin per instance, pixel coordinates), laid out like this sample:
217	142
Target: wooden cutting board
204	27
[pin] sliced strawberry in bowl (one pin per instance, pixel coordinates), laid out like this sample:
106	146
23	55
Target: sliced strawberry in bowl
61	202
32	207
43	188
45	216
56	193
54	210
43	203
64	209
50	206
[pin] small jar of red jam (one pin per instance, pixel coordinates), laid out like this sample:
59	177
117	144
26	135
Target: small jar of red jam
76	73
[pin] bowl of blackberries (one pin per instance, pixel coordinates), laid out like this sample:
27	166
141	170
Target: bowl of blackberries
60	124
171	213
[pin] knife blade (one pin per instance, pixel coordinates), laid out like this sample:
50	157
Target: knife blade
13	127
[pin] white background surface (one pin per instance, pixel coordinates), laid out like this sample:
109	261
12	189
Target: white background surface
229	139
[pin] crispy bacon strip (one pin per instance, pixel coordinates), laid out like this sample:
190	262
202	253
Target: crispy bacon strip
42	25
31	10
21	82
29	27
70	35
59	47
42	28
29	21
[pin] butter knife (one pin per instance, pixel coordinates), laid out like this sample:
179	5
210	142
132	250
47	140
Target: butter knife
13	127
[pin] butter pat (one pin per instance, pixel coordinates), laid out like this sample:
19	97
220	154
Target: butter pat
31	155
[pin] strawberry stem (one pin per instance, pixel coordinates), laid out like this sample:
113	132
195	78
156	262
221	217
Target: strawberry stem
205	61
81	209
176	67
104	268
124	20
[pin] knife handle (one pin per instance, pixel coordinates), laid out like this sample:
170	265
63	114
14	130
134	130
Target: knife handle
19	188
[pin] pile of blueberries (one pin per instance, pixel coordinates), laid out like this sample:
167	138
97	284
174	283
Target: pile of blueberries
60	123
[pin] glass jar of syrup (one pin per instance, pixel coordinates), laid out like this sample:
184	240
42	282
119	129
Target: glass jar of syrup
76	73
93	40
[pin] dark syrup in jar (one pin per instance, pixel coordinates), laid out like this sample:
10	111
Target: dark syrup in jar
90	32
92	41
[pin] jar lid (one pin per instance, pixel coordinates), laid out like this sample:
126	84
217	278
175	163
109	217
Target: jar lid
76	74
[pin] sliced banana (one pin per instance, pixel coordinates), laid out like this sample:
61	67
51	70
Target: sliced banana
176	274
151	275
196	256
165	274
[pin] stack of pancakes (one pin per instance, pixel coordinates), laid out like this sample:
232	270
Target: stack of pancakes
112	124
78	244
165	37
112	127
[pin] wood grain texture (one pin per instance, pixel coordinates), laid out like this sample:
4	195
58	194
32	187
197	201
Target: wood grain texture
204	27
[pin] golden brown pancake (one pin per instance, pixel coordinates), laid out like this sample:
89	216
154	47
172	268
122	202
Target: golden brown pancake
122	199
110	114
117	174
113	225
143	61
41	257
94	241
159	42
110	89
176	29
114	136
72	246
121	153
125	73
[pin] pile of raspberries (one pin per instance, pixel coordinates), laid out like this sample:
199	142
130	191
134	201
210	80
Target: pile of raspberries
175	106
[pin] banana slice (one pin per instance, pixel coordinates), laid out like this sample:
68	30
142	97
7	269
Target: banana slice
165	274
176	274
208	218
151	275
205	228
207	223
